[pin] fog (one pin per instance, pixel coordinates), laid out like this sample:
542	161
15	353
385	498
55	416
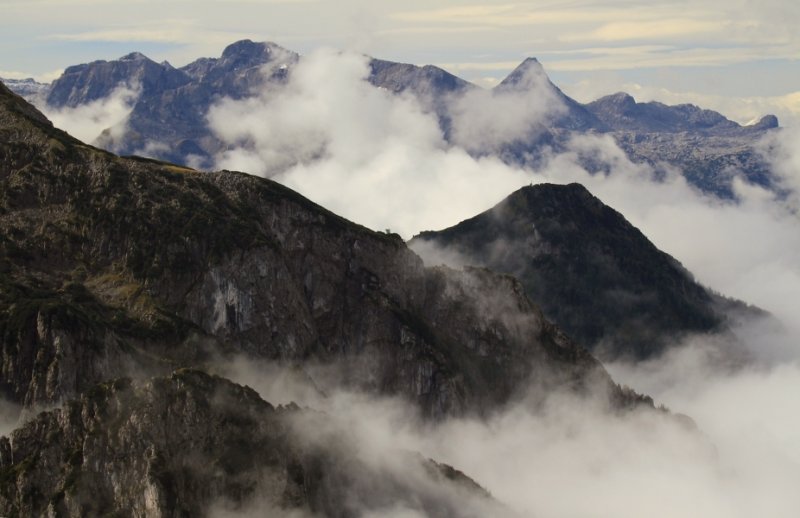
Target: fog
573	457
86	122
375	158
382	161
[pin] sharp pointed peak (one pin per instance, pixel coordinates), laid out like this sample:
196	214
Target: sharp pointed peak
526	75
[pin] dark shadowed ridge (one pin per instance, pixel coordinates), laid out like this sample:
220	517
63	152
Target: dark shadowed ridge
593	273
110	262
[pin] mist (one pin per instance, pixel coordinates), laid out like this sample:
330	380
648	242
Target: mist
87	122
375	158
382	161
572	456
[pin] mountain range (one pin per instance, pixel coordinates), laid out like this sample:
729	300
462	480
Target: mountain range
126	280
168	120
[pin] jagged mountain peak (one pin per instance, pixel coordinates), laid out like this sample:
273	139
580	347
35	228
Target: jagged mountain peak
622	99
528	74
82	84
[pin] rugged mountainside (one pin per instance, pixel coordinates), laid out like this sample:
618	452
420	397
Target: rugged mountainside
708	147
168	120
195	444
594	274
111	265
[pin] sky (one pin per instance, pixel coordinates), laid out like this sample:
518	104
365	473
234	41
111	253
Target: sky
741	57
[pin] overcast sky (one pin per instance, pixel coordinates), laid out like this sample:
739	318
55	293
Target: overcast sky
739	56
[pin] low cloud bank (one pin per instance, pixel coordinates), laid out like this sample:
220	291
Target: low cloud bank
382	161
571	457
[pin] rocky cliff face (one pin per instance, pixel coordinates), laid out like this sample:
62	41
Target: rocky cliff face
195	445
594	274
112	265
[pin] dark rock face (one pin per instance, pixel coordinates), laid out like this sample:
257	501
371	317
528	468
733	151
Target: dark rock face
115	264
191	443
594	274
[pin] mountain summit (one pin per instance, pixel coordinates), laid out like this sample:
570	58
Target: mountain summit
594	274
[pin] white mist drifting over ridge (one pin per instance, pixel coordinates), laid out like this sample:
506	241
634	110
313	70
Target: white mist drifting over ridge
381	160
365	153
88	121
572	457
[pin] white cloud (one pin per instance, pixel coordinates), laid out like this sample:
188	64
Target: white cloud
361	151
484	121
86	122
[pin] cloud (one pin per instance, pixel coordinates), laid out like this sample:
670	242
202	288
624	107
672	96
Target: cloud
86	122
483	121
363	152
9	417
570	456
381	160
649	30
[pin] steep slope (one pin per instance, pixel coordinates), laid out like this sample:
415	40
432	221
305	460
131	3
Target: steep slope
114	265
198	445
593	273
530	77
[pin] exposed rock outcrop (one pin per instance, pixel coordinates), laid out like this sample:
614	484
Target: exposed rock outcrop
191	444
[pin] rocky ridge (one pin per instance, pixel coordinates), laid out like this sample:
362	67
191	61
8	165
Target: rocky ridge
594	274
